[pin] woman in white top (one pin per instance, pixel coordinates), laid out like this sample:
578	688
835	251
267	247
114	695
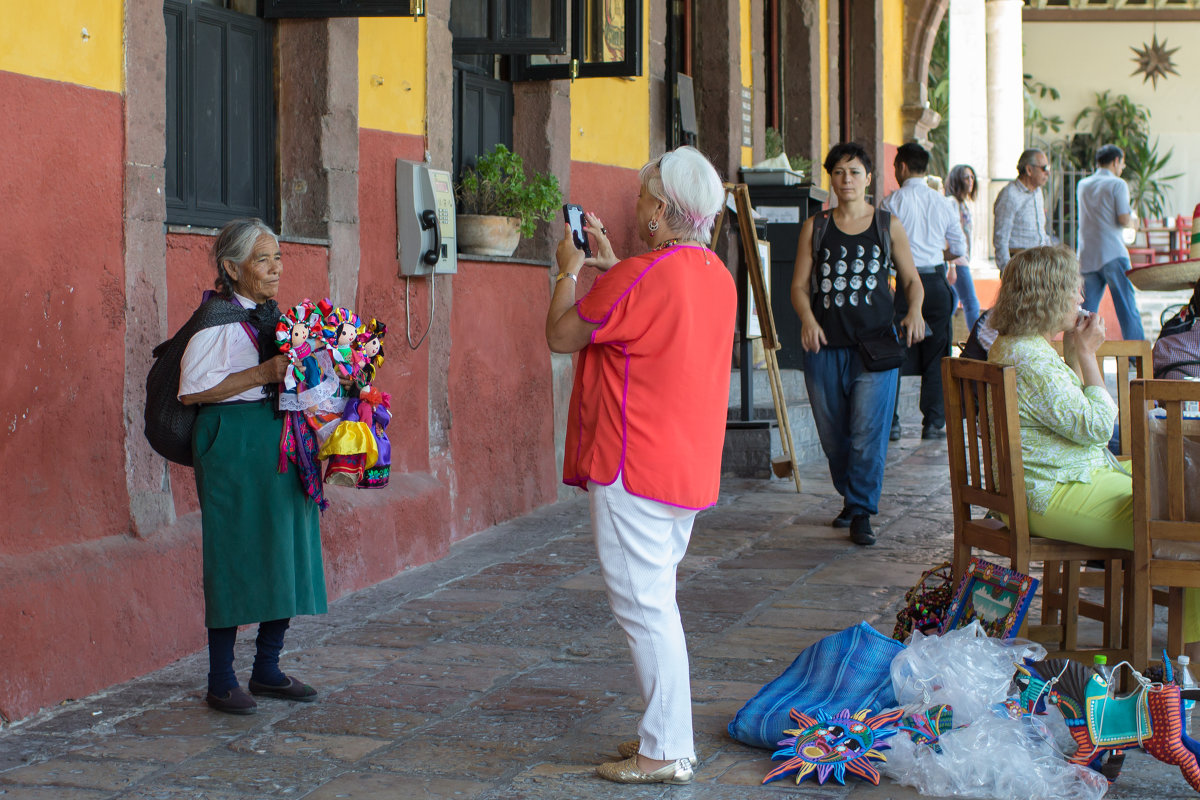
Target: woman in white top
261	532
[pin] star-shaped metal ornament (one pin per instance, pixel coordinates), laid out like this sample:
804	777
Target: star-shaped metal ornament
1154	61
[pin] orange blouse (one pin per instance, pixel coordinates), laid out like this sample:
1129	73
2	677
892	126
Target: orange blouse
651	392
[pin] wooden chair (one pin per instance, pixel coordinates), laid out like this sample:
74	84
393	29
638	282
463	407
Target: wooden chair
986	471
1136	353
1166	540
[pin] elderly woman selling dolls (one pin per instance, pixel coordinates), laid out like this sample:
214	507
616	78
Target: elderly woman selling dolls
1076	490
262	537
645	428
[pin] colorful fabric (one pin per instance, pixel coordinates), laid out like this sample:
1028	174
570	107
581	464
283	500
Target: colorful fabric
651	391
850	669
261	535
298	444
1065	426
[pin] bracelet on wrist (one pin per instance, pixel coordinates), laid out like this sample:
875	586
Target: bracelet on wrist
566	274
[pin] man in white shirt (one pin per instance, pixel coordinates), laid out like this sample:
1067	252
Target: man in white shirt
935	236
1103	202
1019	214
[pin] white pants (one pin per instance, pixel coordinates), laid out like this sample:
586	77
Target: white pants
640	543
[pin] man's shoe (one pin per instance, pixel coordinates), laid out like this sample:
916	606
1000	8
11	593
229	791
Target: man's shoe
894	436
292	690
235	702
931	431
860	530
843	519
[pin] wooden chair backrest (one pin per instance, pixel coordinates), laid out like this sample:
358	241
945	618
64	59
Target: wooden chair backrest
983	439
1175	522
1125	352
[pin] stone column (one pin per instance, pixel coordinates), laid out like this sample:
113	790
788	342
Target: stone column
864	112
800	78
146	474
969	109
439	144
318	141
1005	93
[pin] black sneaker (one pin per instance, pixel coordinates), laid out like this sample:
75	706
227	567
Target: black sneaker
933	431
895	434
860	530
843	519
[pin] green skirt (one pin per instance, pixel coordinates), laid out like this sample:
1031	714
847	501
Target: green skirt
262	534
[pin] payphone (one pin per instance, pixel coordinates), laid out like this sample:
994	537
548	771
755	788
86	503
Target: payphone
425	229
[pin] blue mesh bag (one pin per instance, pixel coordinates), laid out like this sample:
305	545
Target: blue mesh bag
846	670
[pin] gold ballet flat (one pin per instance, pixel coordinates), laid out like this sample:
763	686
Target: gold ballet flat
678	772
629	749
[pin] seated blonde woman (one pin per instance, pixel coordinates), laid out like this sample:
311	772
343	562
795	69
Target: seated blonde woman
1076	490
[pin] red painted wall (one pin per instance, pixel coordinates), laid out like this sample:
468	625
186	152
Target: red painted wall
501	393
64	284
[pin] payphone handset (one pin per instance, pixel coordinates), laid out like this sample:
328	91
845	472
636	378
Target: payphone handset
425	223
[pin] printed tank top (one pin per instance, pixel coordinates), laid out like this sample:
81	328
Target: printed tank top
851	297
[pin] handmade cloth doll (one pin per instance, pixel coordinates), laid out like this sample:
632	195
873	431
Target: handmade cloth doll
299	336
341	327
310	383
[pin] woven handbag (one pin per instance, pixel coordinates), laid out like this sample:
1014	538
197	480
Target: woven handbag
926	603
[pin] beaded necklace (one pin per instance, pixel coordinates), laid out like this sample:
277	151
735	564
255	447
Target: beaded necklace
667	243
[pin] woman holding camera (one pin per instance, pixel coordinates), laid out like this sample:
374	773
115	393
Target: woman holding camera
646	427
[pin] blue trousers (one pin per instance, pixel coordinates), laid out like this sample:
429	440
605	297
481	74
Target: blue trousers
1113	276
852	409
964	292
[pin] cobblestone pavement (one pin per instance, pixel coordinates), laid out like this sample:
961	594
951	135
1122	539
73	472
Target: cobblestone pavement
497	673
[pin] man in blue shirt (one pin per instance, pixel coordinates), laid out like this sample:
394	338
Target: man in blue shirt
1103	202
935	235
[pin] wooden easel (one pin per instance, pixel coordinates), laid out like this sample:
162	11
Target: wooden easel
785	464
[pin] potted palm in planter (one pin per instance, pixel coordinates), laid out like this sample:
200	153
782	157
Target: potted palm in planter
500	204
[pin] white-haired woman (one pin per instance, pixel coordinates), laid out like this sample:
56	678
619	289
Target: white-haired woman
645	428
261	532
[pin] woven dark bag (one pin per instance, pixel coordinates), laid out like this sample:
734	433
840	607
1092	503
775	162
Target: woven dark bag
169	422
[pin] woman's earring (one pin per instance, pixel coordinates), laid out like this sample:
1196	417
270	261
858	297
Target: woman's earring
652	225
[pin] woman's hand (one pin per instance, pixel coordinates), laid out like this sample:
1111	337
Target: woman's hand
812	336
1088	333
568	256
914	326
604	258
273	369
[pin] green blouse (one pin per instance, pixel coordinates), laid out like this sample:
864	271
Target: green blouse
1065	426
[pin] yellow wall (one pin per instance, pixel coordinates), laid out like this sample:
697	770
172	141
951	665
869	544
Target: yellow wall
747	64
893	71
392	49
45	40
610	117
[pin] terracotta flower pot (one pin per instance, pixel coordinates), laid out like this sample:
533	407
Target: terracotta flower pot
481	235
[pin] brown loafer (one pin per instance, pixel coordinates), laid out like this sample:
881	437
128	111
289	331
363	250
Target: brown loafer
292	690
235	702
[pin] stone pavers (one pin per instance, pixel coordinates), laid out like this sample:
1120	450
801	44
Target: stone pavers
497	673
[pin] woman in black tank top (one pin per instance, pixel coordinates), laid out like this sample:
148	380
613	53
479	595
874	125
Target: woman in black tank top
840	292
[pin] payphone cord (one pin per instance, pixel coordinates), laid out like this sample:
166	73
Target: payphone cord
408	314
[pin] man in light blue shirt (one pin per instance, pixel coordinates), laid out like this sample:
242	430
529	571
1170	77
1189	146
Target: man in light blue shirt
935	235
1103	202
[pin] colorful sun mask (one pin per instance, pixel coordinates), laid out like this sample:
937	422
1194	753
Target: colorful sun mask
834	745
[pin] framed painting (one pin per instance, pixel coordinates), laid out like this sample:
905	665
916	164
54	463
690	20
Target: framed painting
996	596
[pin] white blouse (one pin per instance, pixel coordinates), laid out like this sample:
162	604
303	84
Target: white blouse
215	353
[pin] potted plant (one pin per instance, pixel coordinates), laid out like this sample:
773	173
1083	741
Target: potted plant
500	204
